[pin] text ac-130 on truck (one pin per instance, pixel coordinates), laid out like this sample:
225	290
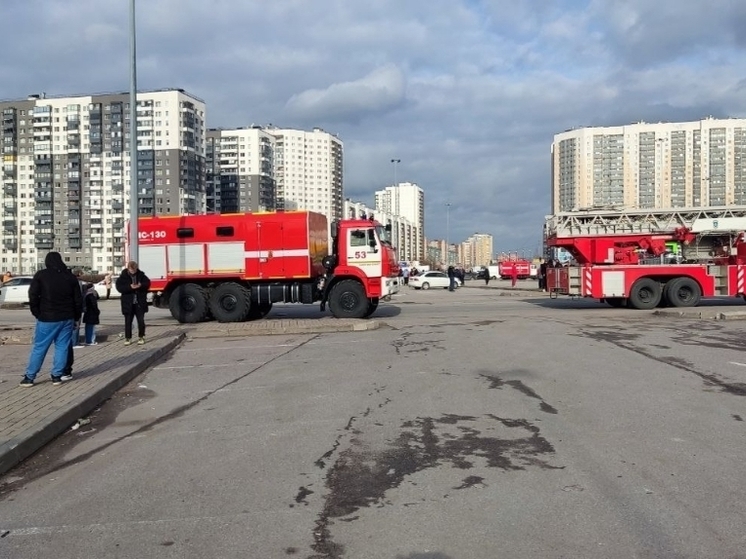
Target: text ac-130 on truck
649	258
233	267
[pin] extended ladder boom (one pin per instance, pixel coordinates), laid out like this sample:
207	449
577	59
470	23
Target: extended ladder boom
645	222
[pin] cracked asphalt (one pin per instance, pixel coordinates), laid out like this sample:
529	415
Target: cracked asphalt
470	425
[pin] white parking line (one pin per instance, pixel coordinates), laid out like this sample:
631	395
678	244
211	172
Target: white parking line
738	364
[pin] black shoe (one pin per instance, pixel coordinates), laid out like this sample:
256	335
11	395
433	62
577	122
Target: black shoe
26	382
56	380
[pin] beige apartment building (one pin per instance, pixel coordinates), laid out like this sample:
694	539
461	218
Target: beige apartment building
66	173
650	166
308	171
476	251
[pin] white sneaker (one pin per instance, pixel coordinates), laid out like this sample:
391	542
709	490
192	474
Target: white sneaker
92	343
78	346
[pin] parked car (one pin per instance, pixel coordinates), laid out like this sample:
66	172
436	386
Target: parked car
100	288
432	279
15	290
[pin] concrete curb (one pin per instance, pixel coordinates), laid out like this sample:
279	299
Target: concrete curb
268	328
35	437
703	314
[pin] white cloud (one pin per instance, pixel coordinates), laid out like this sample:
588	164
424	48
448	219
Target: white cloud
380	91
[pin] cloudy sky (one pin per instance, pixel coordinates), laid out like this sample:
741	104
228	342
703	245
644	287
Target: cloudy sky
468	94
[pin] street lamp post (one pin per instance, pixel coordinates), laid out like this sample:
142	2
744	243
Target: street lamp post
448	234
134	187
395	161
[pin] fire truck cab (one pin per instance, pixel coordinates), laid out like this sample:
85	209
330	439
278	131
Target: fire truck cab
233	267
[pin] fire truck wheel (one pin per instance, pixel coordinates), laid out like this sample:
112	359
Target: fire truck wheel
372	306
645	294
230	302
188	303
683	292
348	300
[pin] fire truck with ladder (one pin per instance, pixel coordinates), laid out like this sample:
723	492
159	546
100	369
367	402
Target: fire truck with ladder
646	258
233	267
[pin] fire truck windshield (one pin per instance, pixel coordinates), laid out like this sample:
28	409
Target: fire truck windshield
383	235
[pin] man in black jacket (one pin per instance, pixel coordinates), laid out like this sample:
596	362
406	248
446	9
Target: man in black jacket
133	284
57	303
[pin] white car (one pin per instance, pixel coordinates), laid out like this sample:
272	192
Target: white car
15	290
432	279
100	288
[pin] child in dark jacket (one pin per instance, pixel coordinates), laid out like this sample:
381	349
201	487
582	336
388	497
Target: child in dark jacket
91	314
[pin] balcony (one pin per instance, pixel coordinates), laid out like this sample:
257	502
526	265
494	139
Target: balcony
10	189
43	197
9	209
44	242
75	244
10	243
9	224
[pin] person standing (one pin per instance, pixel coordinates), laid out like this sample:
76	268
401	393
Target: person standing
91	314
451	278
514	274
7	276
107	285
56	302
486	276
543	275
133	285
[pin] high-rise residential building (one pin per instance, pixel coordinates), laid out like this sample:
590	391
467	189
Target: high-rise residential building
650	166
240	170
404	233
308	171
476	251
407	200
66	173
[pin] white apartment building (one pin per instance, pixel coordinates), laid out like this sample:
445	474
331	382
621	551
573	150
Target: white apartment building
240	170
66	173
406	200
656	166
308	171
404	233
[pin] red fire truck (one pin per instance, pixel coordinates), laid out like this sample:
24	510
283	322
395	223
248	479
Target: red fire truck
644	259
233	267
522	268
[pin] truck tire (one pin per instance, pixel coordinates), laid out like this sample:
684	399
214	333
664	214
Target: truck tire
259	310
683	292
230	302
188	303
372	306
348	300
616	302
645	294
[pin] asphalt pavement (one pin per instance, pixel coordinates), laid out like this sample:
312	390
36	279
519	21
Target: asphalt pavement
469	425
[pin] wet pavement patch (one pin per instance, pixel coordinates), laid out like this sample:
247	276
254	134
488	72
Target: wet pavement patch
362	476
497	383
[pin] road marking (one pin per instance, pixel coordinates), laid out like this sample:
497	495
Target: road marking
737	363
225	348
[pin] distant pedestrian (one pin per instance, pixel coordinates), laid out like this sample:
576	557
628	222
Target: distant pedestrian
486	273
543	275
107	285
91	314
133	285
514	274
451	278
405	273
56	302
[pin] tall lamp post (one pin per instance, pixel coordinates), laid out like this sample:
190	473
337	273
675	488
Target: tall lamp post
395	161
448	234
134	186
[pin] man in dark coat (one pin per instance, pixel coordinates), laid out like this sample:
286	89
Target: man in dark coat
56	302
133	284
451	278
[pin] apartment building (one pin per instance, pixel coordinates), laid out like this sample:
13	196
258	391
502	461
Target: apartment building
240	170
476	251
656	166
308	171
66	173
404	233
407	200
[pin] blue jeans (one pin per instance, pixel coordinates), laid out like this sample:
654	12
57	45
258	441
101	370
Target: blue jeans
45	334
90	333
451	284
